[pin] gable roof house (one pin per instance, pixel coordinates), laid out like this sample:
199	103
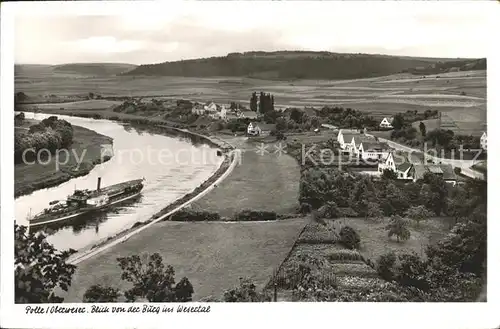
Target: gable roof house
210	107
373	150
386	122
484	141
260	129
400	165
248	114
444	170
198	109
345	138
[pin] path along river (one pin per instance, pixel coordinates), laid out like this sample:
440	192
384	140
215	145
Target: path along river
172	167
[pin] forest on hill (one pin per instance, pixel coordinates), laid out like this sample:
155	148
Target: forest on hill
289	65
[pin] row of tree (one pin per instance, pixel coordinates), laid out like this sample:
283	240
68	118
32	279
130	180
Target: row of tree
363	196
263	103
51	134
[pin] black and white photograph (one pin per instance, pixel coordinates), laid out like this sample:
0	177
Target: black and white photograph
173	157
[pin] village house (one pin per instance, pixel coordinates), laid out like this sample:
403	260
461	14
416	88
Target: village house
248	115
260	129
484	140
443	170
372	150
198	109
402	167
219	114
345	138
407	171
210	107
386	123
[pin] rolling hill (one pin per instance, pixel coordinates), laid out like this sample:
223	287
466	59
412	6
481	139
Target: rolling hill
290	65
94	68
85	69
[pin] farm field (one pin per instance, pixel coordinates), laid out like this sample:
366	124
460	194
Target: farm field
461	96
318	244
260	182
95	104
397	89
213	256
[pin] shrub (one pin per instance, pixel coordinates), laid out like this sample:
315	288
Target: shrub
305	208
254	215
245	292
317	233
100	294
194	216
385	266
349	238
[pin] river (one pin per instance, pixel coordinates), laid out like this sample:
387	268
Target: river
172	167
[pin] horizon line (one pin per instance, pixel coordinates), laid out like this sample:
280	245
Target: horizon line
257	51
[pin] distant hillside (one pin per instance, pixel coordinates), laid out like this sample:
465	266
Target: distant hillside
93	68
450	66
286	65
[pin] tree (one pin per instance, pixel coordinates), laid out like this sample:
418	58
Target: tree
296	115
39	268
152	280
398	226
373	211
385	266
465	247
411	271
436	197
398	121
422	128
349	238
100	294
253	102
418	213
389	174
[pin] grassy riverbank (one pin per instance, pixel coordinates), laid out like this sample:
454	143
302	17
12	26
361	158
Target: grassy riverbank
84	154
212	255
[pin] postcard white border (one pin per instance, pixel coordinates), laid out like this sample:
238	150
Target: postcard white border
407	315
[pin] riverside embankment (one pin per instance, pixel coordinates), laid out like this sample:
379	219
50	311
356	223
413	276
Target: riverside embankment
166	183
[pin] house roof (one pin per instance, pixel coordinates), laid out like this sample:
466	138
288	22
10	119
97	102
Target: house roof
265	126
403	166
359	138
445	170
373	145
448	172
389	119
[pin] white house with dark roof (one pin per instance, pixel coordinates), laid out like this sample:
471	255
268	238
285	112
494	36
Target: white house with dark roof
247	115
346	139
386	123
373	150
260	129
401	167
484	141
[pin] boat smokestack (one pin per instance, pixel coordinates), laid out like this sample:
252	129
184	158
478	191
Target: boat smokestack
99	183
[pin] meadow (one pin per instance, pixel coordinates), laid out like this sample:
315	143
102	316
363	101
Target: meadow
213	256
261	182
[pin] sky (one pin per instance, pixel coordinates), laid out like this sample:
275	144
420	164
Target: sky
145	33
